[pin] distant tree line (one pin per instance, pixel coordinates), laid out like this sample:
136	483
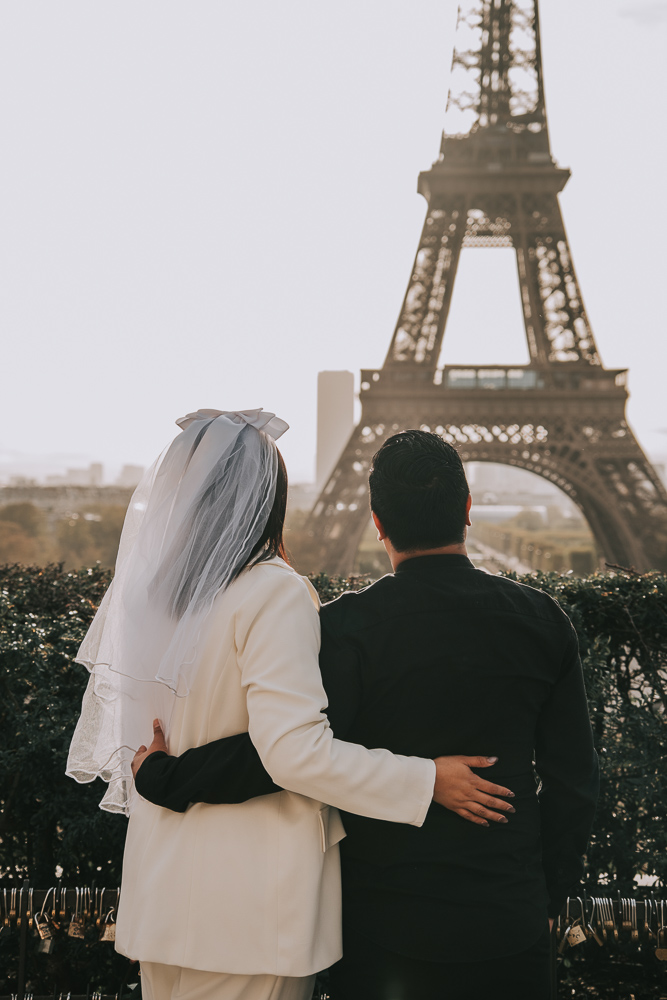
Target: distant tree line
90	536
82	538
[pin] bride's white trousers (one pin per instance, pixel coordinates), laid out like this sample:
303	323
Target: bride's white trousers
169	982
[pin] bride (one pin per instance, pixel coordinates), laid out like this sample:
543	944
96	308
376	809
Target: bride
207	626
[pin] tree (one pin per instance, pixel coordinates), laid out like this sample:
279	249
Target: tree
22	534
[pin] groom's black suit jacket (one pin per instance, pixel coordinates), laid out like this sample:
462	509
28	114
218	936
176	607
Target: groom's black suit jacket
441	658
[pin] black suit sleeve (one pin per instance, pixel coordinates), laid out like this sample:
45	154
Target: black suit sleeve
567	765
230	770
227	770
341	673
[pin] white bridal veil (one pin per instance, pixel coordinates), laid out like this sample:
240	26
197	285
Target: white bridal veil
192	523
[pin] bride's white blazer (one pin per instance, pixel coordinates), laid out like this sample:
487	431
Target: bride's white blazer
255	888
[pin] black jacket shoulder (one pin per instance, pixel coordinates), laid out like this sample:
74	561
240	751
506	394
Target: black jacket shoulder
402	593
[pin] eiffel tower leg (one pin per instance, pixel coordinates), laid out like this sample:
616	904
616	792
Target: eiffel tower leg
638	498
557	325
626	534
341	514
616	487
585	448
421	321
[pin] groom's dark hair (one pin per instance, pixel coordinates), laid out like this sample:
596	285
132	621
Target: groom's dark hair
419	491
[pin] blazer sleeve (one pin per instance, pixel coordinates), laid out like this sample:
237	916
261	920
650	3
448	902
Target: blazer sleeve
230	770
567	765
277	641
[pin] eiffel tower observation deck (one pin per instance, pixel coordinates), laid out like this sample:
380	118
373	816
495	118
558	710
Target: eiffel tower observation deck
561	416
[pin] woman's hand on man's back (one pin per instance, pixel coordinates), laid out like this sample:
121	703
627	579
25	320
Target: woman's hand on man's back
459	789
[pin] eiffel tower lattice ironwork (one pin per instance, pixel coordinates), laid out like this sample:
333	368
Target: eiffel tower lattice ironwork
562	416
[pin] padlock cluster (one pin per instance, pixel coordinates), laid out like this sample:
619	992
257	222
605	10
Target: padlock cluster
95	995
609	921
83	913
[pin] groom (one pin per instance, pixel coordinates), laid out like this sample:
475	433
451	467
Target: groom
439	658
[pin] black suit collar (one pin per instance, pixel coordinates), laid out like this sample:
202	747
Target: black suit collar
426	564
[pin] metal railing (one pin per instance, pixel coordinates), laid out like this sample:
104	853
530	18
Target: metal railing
42	917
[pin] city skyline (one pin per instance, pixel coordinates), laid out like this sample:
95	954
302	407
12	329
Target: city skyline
146	277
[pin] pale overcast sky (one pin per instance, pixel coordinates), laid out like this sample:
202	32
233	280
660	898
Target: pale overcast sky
205	203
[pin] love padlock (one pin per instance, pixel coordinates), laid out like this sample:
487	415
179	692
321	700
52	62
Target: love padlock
109	927
661	950
576	934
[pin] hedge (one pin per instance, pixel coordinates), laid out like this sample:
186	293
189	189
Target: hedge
51	826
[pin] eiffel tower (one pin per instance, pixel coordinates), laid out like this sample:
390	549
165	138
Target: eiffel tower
562	416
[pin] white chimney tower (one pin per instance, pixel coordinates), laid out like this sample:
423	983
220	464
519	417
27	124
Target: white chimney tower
335	420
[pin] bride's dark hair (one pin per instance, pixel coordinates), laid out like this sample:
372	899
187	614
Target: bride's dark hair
271	543
224	479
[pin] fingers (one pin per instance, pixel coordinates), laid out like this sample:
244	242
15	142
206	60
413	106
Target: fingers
488	800
479	810
493	816
159	742
471	817
479	761
158	735
477	813
142	749
491	789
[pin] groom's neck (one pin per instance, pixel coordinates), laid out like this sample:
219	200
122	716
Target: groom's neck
396	558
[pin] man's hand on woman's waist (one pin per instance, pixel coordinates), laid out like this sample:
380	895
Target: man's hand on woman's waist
159	744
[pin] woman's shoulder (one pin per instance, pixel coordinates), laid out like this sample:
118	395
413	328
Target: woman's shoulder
275	574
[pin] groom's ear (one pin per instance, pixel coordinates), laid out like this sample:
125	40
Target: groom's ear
382	534
468	506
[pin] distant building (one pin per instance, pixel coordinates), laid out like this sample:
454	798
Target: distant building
130	476
335	420
21	481
96	474
92	476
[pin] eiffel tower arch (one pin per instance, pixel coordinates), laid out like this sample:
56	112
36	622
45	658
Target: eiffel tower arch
562	416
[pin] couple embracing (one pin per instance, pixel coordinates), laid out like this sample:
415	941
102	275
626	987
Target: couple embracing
323	793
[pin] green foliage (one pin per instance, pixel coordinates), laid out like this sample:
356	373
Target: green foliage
47	820
621	622
331	587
